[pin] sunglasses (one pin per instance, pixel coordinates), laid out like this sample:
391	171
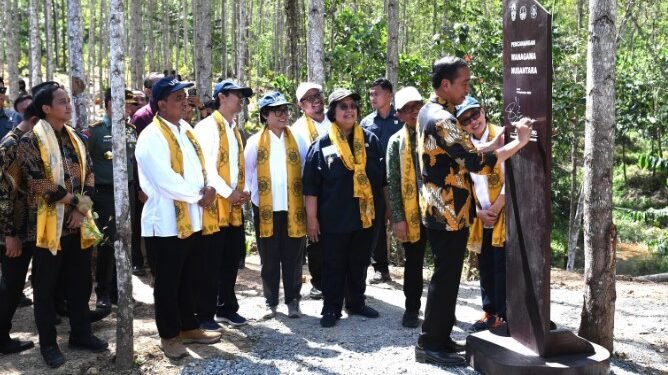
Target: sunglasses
345	107
466	121
313	98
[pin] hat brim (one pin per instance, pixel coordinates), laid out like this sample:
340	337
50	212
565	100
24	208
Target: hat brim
247	92
461	111
355	96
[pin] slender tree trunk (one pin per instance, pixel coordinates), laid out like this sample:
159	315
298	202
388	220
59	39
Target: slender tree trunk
574	227
36	46
574	201
137	43
122	243
241	52
315	48
48	25
3	36
579	15
597	321
223	37
104	48
203	47
13	51
90	71
64	38
292	13
392	69
76	68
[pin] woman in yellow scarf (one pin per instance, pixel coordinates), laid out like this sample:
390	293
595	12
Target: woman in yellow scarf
274	160
57	174
344	179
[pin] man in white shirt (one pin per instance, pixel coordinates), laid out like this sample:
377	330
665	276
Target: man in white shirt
221	144
311	126
173	237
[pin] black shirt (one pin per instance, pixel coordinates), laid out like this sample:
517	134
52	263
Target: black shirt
329	180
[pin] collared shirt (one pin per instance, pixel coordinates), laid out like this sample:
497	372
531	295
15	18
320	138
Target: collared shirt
13	213
162	185
393	161
277	168
446	158
208	137
300	128
8	120
143	117
327	178
480	181
37	183
100	146
382	127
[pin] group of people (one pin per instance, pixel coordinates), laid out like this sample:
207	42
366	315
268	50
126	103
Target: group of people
327	186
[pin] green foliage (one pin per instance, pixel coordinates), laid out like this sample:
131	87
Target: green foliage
648	161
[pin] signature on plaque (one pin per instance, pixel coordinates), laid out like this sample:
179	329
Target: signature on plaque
514	114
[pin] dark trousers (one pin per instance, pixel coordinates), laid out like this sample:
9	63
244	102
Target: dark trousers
492	263
13	277
314	254
413	281
233	240
345	261
73	264
279	252
137	256
379	258
448	248
176	266
106	261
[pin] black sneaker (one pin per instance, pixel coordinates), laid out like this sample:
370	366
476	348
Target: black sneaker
438	357
328	320
410	320
52	355
103	302
380	277
24	301
15	346
315	293
365	311
234	320
99	314
138	271
90	343
455	346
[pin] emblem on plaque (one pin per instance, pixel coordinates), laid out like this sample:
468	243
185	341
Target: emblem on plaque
513	11
534	12
523	13
108	155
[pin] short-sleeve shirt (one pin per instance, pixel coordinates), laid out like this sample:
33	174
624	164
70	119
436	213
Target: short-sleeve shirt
143	117
8	120
327	178
100	146
383	128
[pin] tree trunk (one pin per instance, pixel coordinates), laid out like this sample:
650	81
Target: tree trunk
574	205
76	68
575	224
122	243
203	47
48	25
64	39
13	51
315	49
241	53
292	14
137	44
600	235
392	69
36	46
92	25
223	37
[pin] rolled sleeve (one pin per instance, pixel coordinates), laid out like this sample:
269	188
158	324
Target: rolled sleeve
312	179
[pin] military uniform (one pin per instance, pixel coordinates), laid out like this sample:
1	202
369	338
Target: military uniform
99	144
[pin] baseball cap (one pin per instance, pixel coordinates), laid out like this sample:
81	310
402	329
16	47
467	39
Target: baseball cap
166	86
272	99
303	88
229	85
469	103
406	95
340	93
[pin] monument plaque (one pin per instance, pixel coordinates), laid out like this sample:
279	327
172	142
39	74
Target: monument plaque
527	92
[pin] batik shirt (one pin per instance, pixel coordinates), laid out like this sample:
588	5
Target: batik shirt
12	195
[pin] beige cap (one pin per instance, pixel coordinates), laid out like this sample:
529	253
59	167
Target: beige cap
406	95
303	88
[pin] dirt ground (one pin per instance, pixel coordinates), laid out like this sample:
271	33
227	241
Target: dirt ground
641	336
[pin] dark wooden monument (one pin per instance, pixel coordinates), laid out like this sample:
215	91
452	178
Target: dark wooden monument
529	345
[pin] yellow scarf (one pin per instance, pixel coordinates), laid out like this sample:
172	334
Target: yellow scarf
296	212
209	214
356	161
313	132
50	216
228	214
494	185
409	187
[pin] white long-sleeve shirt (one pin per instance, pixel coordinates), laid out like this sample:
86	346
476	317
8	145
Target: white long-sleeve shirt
480	181
278	169
162	185
300	128
208	137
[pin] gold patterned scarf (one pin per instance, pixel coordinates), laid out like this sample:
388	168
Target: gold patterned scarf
310	126
50	217
296	213
494	185
355	161
409	187
210	214
228	214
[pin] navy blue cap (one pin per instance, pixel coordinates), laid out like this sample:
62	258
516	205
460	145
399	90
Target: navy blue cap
166	86
272	99
229	85
469	103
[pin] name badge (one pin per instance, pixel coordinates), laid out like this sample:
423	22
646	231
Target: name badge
329	150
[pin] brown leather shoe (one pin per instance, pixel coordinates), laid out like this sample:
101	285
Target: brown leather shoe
198	336
173	348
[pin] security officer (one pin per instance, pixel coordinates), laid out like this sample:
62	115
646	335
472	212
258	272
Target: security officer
100	149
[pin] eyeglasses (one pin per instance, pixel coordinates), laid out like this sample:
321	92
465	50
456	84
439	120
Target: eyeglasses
280	111
3	90
313	98
466	121
345	107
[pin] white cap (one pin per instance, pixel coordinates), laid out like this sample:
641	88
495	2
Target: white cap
406	95
303	88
